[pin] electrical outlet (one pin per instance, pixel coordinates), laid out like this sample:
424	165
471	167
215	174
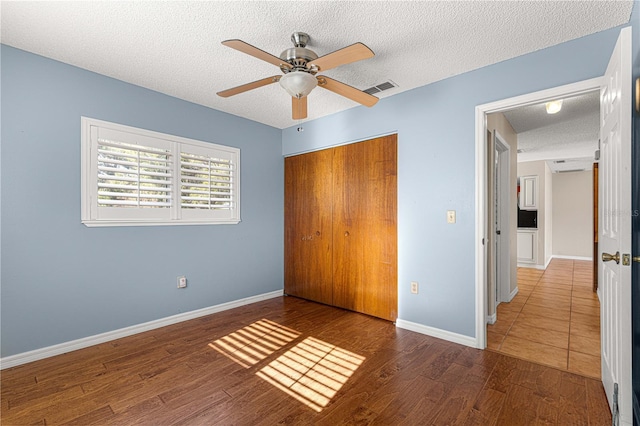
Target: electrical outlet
182	282
414	287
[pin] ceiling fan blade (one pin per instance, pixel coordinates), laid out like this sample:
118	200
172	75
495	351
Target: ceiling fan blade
249	86
256	53
347	55
347	91
298	108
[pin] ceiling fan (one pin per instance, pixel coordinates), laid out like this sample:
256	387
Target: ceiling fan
300	66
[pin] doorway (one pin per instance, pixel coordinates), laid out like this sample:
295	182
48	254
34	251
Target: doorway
552	316
615	175
482	231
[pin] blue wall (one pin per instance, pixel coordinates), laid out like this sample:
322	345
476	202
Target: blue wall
63	281
54	285
436	166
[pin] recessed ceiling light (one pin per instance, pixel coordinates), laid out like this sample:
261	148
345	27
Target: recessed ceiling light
553	106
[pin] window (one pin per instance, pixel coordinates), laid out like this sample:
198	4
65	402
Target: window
134	177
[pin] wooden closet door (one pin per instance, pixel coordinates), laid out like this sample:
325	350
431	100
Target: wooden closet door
308	231
364	227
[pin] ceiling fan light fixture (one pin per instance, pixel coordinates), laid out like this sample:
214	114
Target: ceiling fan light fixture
298	83
299	66
553	106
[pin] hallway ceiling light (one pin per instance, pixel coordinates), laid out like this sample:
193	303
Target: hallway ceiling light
553	106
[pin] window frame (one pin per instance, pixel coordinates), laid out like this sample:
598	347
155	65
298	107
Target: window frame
94	216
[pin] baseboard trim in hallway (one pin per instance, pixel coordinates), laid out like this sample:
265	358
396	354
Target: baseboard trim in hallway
582	258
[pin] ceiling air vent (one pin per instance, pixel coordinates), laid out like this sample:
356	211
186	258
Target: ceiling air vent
570	171
380	87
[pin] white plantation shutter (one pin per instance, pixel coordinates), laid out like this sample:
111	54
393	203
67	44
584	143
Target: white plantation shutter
206	182
133	175
137	177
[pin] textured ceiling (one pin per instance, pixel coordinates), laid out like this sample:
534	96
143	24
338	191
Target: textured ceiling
570	135
174	47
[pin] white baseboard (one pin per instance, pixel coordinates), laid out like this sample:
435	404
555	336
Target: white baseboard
491	319
555	256
436	332
513	294
531	265
560	256
37	354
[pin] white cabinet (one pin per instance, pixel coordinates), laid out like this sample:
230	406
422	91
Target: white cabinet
529	192
527	246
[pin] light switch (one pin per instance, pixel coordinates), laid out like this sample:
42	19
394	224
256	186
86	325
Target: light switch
451	216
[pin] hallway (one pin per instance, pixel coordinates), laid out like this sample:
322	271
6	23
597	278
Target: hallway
553	320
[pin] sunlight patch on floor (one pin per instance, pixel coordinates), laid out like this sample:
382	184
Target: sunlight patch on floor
255	342
313	371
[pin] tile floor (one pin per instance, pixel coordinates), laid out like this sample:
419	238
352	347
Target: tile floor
553	320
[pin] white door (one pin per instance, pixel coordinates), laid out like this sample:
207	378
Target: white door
502	203
615	226
497	226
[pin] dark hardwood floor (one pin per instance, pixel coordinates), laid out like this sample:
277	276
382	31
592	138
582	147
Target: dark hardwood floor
289	361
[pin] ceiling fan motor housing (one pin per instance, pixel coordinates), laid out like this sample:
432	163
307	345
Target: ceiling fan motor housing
298	57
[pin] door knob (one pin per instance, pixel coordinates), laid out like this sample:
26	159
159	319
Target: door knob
606	257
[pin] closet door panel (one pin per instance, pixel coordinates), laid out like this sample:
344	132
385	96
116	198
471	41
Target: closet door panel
308	226
364	227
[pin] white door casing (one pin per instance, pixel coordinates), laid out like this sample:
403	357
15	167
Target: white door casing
615	225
